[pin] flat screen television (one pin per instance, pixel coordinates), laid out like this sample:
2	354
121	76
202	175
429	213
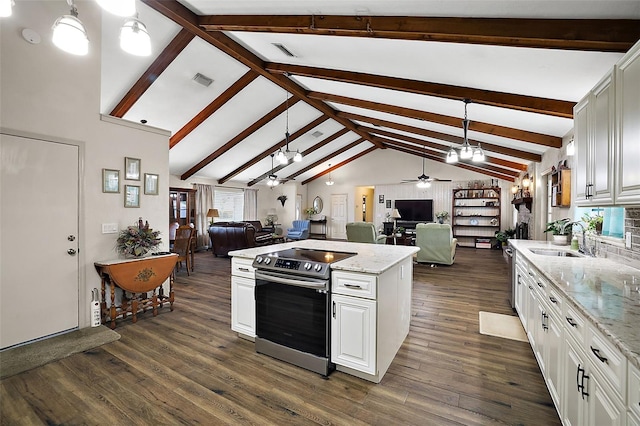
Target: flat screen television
415	210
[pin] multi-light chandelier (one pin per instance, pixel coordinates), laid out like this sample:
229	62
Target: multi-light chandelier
466	151
283	156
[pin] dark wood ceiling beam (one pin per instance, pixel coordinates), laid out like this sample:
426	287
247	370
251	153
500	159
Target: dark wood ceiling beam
304	153
241	136
275	147
341	164
449	139
553	107
462	166
171	52
441	149
476	126
483	166
326	158
217	103
190	21
609	35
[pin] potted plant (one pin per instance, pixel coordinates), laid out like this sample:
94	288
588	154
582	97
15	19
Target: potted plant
442	216
399	231
309	211
594	223
136	241
560	231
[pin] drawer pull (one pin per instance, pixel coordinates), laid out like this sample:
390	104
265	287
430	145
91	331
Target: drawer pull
571	322
596	352
244	269
553	300
352	286
540	284
531	288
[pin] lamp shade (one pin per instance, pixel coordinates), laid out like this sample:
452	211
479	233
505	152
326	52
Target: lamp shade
134	38
70	35
213	213
395	214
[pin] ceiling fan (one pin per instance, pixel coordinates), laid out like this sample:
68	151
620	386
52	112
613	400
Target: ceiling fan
272	179
424	181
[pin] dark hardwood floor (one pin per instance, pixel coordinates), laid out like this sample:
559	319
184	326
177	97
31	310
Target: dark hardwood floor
188	367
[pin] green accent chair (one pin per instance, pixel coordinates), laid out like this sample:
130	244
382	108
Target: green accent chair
436	243
364	232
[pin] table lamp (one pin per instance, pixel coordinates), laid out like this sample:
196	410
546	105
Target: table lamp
395	214
212	213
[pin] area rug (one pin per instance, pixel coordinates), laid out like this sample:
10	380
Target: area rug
499	325
23	358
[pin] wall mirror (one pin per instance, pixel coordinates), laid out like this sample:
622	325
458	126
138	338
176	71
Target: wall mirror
317	204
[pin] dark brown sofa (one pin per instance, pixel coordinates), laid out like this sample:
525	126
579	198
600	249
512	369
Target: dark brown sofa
263	235
229	236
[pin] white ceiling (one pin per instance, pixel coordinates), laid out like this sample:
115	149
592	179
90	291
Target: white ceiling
173	99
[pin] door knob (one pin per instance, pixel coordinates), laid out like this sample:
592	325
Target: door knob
71	252
71	238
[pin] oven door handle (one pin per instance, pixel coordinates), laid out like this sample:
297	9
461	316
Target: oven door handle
282	279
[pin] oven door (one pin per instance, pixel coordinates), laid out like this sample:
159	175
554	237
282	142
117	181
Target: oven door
293	311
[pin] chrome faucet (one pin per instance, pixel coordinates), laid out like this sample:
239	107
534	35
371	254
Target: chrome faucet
585	249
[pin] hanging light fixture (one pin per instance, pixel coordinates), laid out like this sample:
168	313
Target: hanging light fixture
283	156
5	8
466	152
452	156
119	7
134	38
272	179
478	154
69	33
330	181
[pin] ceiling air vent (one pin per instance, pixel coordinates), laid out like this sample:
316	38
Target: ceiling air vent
202	79
284	50
317	134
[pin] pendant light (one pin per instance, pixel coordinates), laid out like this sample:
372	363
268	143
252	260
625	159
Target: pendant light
134	38
119	7
5	8
466	152
330	182
452	156
69	33
478	154
283	156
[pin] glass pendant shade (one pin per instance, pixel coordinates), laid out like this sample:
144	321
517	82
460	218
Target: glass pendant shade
134	38
5	8
298	157
70	35
119	7
452	156
330	181
272	182
478	154
281	158
423	184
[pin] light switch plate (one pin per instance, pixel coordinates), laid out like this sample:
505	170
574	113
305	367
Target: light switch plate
627	240
109	228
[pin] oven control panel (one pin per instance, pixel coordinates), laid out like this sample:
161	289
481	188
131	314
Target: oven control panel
277	263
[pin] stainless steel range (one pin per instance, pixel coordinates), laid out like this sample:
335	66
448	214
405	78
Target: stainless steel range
293	306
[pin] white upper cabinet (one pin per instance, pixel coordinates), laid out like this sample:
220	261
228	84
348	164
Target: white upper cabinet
628	125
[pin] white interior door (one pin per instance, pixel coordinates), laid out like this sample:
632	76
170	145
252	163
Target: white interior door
338	216
39	278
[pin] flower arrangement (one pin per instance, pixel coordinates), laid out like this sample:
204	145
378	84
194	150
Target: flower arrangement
136	241
309	211
444	215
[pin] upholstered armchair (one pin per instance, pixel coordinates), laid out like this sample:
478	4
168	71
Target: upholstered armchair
299	230
436	243
364	232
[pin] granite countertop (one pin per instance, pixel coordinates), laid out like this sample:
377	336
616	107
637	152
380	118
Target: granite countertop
371	258
604	291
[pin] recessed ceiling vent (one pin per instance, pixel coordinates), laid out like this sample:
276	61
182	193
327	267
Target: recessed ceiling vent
317	134
202	79
284	50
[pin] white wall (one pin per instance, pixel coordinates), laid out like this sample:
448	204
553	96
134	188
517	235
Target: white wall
46	91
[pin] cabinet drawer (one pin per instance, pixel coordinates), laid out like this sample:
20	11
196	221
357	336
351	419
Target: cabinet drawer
633	394
574	323
607	359
354	284
241	267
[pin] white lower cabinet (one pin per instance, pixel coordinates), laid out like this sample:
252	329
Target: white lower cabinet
633	394
353	333
553	352
243	303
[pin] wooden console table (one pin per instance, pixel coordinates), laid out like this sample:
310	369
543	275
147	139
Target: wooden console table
323	228
138	277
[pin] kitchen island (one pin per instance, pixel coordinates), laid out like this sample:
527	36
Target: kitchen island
370	298
581	315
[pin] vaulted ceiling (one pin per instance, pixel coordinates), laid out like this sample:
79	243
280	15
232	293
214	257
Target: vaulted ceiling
346	78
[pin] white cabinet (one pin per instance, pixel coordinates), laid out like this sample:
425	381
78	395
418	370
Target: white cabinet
353	333
595	144
520	287
628	126
370	319
633	392
243	303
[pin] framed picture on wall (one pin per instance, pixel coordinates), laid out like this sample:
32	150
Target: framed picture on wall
131	168
380	199
110	181
132	196
388	204
150	184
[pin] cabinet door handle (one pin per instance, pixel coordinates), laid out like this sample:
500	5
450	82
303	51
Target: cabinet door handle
244	269
334	309
352	285
553	300
596	352
571	322
544	317
588	190
581	385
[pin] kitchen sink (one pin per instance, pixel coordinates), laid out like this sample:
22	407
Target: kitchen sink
552	252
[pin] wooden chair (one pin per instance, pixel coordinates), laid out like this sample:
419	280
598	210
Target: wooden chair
182	247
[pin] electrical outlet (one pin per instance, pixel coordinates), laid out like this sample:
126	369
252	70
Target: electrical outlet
627	240
109	228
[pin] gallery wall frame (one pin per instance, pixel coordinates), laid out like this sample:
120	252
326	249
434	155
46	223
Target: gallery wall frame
151	183
110	181
132	196
131	168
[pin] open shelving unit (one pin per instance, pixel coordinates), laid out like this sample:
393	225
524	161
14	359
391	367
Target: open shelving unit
475	216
